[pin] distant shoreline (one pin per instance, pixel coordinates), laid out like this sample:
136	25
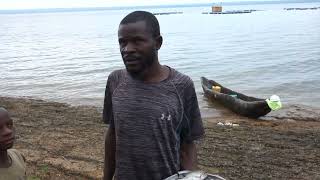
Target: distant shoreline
85	9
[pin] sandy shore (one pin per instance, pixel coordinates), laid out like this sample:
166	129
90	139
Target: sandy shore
66	142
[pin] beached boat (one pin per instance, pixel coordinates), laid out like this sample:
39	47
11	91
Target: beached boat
239	103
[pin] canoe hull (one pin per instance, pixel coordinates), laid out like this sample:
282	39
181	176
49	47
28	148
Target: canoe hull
243	105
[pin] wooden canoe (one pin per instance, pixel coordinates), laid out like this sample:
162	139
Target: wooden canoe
241	104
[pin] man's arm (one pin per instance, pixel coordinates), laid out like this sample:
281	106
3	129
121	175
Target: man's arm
109	159
188	153
192	128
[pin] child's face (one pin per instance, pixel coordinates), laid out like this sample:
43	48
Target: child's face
7	131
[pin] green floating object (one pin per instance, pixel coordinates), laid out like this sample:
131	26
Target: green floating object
233	95
274	102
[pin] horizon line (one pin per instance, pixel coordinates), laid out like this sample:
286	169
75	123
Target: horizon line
68	9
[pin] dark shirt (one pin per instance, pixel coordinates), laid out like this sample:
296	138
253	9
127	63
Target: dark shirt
151	120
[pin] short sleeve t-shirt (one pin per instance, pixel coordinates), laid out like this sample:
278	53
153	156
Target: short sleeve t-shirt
151	120
17	170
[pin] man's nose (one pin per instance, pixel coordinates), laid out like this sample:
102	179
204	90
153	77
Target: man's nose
129	48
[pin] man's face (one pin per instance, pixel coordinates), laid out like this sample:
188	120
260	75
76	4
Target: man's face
7	131
137	46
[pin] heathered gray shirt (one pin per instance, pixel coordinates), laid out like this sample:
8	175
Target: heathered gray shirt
150	121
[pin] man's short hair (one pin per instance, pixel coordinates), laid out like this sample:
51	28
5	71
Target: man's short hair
150	19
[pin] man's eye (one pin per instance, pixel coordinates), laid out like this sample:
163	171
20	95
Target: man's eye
121	42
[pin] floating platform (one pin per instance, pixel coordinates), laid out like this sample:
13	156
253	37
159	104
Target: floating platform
232	12
167	13
290	9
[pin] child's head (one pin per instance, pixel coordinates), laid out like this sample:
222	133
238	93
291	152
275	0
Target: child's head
7	131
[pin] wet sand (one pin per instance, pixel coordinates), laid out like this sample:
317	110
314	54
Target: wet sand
61	141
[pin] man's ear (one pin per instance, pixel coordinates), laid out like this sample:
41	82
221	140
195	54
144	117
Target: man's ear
159	41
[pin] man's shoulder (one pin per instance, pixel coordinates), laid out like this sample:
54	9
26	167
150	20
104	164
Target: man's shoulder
116	77
181	79
117	73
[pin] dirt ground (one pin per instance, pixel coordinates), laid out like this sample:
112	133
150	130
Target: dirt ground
66	142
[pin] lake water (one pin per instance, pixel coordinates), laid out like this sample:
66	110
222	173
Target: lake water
67	56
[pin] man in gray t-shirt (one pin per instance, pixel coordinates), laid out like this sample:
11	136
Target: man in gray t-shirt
151	109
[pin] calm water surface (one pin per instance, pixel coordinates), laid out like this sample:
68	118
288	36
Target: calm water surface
67	57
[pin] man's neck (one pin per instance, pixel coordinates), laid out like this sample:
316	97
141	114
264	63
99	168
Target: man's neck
4	159
155	73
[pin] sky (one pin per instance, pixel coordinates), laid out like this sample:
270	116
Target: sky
38	4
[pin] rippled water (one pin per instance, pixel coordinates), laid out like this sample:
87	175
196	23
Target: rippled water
67	56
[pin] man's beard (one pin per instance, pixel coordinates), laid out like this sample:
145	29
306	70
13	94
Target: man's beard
146	63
